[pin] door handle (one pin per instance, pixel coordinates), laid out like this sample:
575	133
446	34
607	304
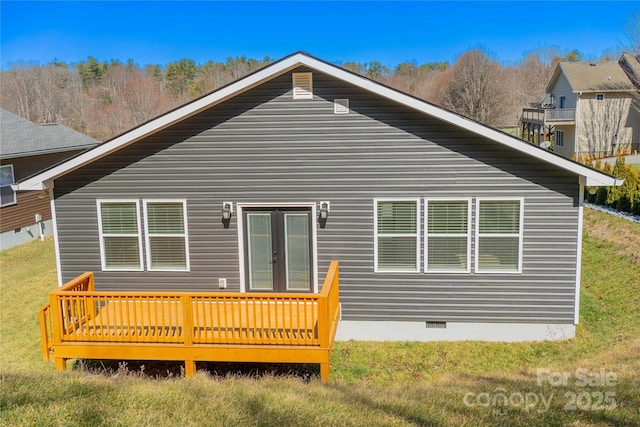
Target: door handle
275	257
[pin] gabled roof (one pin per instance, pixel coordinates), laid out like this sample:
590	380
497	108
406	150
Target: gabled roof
605	76
21	137
45	179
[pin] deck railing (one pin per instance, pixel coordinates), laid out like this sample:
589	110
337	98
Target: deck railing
560	115
77	314
548	115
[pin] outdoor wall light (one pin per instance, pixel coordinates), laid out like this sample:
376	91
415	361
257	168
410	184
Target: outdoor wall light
325	207
227	209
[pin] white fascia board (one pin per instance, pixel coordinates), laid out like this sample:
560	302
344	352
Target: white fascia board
593	176
38	182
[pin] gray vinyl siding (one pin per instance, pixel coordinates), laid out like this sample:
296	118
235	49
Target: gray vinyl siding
263	146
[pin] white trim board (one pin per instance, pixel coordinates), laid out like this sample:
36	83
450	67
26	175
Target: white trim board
39	181
454	331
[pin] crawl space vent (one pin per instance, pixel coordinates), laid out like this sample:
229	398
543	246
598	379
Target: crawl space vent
436	325
302	86
341	106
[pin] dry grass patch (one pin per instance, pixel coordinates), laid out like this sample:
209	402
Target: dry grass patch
625	235
373	384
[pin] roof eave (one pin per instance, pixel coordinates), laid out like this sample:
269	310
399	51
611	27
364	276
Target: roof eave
49	151
161	122
592	176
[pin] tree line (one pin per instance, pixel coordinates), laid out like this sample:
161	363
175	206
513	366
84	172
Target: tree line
105	98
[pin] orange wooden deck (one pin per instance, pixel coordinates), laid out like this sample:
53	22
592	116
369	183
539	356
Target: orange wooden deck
80	322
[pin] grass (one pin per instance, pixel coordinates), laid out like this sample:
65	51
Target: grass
403	383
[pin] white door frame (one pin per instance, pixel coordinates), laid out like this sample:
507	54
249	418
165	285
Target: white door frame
314	235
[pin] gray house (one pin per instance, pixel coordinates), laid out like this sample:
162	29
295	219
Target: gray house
25	149
444	228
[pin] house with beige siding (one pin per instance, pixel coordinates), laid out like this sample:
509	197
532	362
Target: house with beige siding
443	228
26	148
590	109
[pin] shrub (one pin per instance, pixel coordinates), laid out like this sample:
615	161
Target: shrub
635	204
624	198
623	203
601	196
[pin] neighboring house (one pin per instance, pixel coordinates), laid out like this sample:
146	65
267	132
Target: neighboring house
25	149
444	228
589	109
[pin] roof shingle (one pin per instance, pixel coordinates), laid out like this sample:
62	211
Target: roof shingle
20	137
607	76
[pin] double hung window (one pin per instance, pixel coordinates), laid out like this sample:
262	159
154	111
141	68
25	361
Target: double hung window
447	235
397	226
166	236
165	231
499	236
120	235
448	230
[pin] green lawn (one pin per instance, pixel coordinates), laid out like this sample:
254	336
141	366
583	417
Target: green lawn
403	383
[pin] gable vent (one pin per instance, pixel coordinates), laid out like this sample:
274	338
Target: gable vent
341	106
302	86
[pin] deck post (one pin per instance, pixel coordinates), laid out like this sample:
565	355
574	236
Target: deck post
189	368
56	319
61	364
91	285
324	372
44	333
323	321
187	320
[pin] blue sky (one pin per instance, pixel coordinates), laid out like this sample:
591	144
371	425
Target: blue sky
336	31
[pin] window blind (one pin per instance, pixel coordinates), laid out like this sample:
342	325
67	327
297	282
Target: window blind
166	235
120	235
397	235
447	235
499	234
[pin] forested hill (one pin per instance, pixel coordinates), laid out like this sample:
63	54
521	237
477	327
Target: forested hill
105	98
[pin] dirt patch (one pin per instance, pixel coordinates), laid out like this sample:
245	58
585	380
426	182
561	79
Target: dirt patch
625	234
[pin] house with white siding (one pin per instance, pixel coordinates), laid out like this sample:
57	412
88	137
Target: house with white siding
444	229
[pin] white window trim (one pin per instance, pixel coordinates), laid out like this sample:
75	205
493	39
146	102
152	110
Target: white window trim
426	234
598	95
15	195
185	235
314	231
559	141
101	235
375	234
520	235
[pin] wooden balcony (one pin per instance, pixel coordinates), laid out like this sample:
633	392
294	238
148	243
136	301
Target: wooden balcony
80	322
549	115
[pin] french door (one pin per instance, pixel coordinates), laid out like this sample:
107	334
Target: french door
278	249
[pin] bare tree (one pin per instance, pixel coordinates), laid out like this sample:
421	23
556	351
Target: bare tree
632	33
476	90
